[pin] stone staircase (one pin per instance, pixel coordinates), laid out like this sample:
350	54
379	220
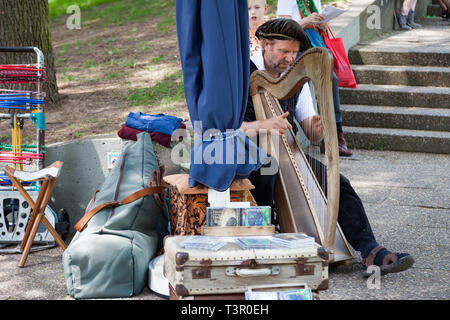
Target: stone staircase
402	100
433	9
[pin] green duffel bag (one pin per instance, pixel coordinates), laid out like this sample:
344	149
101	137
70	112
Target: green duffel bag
122	229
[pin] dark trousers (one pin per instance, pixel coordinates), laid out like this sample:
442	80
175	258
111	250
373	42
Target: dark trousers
352	217
337	103
264	191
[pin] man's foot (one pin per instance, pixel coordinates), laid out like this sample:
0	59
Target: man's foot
342	144
388	262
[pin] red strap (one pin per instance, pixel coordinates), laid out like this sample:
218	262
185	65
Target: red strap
329	31
132	197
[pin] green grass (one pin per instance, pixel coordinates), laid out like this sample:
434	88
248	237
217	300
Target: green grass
118	12
59	7
274	2
168	90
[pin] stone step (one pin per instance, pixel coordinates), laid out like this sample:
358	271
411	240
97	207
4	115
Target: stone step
434	10
399	56
396	117
395	95
398	140
402	75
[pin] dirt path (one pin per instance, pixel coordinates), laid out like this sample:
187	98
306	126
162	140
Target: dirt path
104	72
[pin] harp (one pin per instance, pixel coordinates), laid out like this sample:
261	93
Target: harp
304	203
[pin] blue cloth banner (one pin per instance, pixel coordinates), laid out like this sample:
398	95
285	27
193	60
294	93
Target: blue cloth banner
213	39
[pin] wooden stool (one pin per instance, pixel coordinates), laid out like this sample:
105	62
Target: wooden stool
48	177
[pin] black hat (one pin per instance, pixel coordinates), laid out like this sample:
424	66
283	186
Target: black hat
284	29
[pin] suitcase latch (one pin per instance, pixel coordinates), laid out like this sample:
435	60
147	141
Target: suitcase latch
201	273
303	269
251	263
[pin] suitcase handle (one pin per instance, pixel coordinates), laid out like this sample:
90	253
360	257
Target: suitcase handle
233	271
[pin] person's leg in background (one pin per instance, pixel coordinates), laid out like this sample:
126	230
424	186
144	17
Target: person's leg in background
406	15
343	149
445	6
342	144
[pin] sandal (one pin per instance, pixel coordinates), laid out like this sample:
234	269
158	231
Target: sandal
392	262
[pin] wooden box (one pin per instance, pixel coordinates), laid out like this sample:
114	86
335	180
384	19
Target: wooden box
188	204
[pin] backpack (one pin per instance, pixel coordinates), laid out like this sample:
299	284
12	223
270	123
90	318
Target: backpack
122	229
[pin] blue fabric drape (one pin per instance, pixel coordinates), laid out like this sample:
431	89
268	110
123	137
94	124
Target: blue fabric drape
214	51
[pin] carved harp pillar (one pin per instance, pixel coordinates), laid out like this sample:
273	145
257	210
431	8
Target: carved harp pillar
303	202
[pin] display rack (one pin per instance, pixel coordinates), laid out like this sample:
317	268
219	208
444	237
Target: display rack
22	107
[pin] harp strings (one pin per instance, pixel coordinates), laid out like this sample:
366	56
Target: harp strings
315	158
318	158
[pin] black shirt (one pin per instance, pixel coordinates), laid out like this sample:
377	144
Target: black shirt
286	105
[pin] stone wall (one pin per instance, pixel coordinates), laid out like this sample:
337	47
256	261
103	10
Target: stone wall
365	20
369	28
373	25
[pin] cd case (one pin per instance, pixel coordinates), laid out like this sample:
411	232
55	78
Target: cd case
298	294
260	242
223	217
293	240
289	291
234	217
279	240
256	216
204	243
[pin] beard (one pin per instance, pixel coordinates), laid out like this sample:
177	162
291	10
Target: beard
277	65
274	64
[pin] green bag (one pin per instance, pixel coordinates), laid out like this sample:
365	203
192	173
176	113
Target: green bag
109	255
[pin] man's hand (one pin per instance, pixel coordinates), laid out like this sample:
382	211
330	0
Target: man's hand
313	129
276	125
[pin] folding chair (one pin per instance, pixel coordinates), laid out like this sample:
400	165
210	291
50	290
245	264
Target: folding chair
48	177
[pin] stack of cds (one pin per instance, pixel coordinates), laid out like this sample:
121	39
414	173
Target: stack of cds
259	242
293	240
203	243
287	240
296	294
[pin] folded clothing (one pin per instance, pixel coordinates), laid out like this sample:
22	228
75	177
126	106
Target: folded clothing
128	133
161	122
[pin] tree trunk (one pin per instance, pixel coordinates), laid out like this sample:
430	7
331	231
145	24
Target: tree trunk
26	23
